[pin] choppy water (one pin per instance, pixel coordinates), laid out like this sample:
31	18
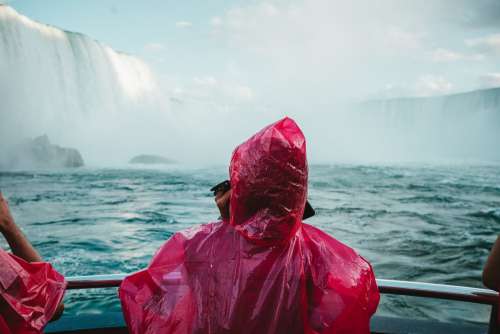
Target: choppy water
430	224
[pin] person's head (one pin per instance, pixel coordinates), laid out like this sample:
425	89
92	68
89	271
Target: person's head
269	183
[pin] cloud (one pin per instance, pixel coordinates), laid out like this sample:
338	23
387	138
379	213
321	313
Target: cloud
428	85
401	39
329	51
242	93
490	80
425	85
154	47
211	91
465	14
323	50
478	13
487	44
183	24
216	21
445	56
205	81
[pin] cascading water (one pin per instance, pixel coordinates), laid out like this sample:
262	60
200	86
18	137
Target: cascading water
454	127
107	104
70	87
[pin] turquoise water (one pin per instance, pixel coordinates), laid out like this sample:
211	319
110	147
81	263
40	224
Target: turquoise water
429	224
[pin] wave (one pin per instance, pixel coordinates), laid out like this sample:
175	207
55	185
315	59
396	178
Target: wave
428	199
490	214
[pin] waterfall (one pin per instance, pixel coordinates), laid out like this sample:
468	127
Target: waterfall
85	95
464	126
69	86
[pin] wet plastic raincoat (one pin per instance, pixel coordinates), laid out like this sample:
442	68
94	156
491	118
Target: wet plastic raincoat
29	294
264	270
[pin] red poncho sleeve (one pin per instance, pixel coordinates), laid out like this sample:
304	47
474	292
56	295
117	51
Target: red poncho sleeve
153	299
29	294
342	290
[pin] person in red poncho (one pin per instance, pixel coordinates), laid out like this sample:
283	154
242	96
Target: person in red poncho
260	269
491	271
31	291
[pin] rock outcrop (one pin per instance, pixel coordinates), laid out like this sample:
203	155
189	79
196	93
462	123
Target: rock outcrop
41	153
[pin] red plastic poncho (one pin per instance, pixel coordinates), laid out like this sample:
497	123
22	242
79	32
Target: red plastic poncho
29	294
264	271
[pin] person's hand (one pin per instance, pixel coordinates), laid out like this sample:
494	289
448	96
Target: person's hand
222	201
6	219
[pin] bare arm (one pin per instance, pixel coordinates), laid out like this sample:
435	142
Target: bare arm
18	243
491	272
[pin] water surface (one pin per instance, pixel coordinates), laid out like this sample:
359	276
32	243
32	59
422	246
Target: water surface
429	224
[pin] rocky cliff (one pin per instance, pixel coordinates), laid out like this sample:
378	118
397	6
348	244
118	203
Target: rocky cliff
41	153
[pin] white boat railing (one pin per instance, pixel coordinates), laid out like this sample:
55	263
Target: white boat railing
386	286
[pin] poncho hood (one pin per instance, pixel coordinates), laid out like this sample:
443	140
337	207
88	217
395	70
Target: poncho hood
268	175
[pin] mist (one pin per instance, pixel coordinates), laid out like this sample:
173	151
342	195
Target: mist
339	69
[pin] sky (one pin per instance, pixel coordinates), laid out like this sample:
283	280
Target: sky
240	51
302	58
